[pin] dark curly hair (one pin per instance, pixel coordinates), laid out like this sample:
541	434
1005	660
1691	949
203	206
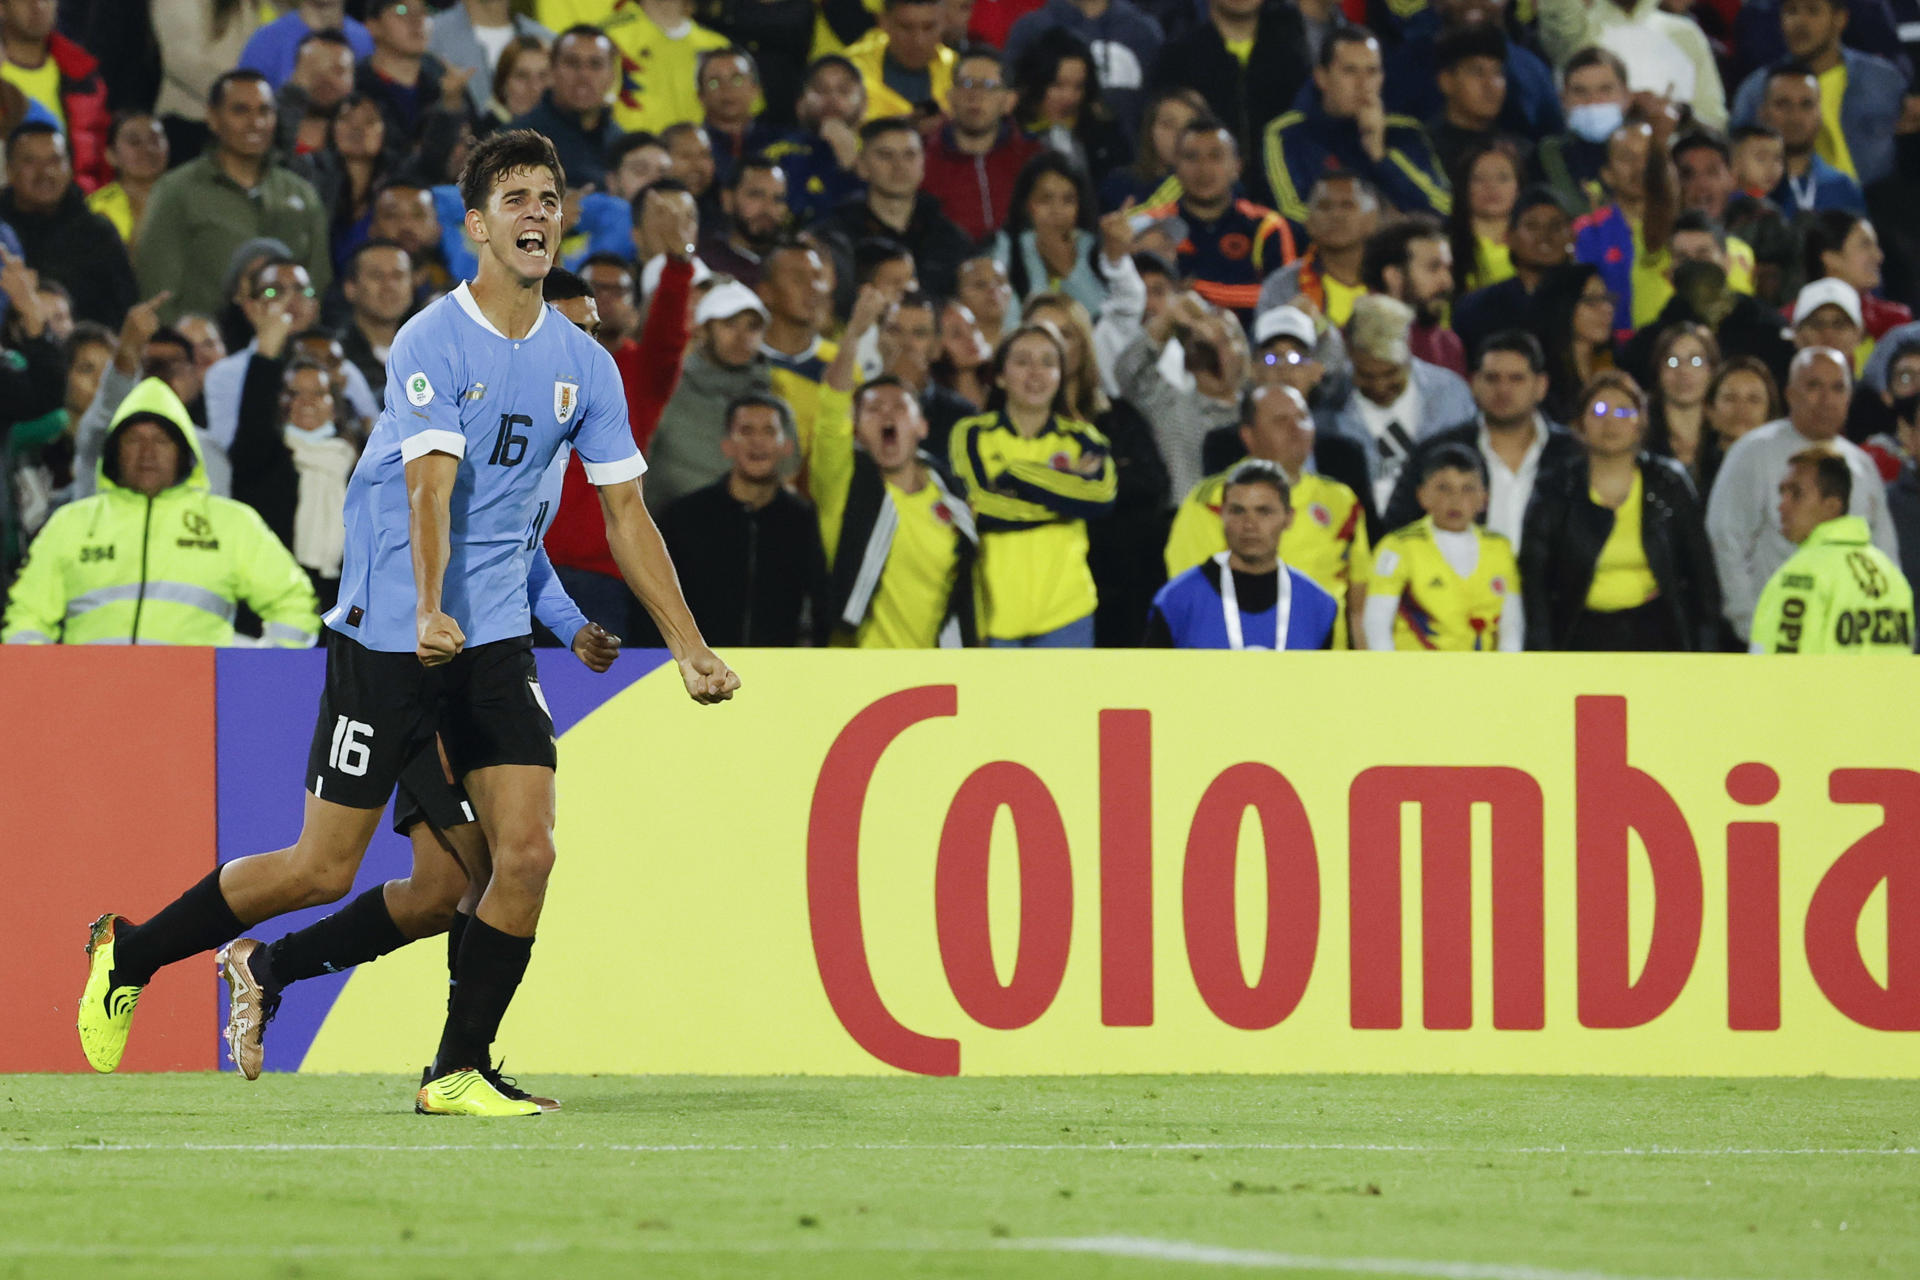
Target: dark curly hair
503	153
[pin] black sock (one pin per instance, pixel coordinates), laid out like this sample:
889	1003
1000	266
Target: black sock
487	974
362	930
198	920
455	932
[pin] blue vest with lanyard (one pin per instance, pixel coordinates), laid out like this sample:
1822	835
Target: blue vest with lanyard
1200	617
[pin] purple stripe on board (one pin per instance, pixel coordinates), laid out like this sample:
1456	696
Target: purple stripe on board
267	703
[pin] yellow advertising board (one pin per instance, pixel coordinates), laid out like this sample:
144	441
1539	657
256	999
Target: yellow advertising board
991	862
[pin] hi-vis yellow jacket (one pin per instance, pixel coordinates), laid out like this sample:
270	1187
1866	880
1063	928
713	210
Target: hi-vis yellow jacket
1837	594
122	568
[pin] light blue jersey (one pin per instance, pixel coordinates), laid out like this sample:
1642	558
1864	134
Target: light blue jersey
456	384
553	608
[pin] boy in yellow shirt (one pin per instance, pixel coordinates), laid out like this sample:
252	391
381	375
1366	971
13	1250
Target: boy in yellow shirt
1446	582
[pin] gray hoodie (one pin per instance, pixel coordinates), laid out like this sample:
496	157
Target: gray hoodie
684	453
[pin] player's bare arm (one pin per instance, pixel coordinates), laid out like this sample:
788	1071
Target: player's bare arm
642	556
430	480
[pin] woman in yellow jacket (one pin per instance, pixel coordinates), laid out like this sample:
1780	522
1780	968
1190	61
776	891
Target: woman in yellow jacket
153	557
1033	475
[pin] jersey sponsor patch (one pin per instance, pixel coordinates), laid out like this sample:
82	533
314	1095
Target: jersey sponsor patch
566	395
419	390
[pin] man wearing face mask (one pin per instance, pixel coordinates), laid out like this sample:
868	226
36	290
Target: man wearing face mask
1593	89
1667	53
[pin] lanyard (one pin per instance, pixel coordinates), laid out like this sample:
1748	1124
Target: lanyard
1230	606
1802	196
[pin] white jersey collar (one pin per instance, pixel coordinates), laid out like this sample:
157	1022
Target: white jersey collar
464	296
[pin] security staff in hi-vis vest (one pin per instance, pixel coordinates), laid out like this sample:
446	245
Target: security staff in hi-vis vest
1838	593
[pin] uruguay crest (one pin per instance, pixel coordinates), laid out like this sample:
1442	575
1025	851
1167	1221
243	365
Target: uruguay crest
565	396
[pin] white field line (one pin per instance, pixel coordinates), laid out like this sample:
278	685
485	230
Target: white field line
1261	1260
1132	1247
1074	1147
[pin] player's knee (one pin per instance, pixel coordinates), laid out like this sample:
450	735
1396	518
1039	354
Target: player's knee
524	865
434	920
324	882
424	907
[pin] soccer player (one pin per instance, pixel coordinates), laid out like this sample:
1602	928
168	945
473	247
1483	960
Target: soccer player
1838	593
1445	582
431	632
1245	597
451	861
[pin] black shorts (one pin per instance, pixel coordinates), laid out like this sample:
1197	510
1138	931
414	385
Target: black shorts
424	794
379	711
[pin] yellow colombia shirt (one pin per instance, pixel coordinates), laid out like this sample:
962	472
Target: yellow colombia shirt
1340	300
655	72
1832	142
916	581
111	203
1438	608
796	379
1030	503
41	84
1494	264
1651	288
1621	577
1327	540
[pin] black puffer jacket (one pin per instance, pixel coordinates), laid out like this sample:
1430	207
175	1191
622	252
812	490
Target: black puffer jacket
1565	530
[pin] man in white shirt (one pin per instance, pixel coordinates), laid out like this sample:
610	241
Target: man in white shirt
1511	435
1743	516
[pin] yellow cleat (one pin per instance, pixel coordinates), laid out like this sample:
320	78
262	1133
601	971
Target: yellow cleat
468	1093
106	1011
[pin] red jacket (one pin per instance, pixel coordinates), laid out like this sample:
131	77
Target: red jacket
974	191
650	370
1438	345
83	97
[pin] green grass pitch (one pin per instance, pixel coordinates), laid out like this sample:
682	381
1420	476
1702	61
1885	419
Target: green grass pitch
1456	1178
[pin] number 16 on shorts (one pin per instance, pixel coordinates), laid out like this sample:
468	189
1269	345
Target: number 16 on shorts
351	749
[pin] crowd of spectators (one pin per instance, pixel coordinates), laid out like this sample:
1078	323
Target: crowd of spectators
978	321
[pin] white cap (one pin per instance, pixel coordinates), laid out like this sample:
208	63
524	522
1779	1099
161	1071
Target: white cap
657	264
1826	292
1284	322
723	302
